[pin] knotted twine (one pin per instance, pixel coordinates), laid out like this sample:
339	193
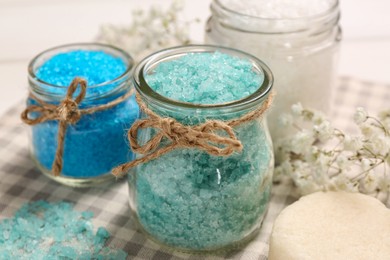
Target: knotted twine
203	136
67	112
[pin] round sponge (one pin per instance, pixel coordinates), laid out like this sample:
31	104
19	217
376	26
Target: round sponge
332	225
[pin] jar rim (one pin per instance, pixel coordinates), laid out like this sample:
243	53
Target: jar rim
77	46
312	24
147	92
333	7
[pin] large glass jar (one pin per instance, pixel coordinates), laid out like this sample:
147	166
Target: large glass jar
301	51
188	199
95	144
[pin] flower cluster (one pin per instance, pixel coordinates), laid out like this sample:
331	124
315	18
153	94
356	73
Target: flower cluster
320	157
149	31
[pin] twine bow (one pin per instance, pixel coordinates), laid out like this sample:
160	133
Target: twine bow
67	112
206	136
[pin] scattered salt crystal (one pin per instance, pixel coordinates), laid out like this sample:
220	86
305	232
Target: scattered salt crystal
42	230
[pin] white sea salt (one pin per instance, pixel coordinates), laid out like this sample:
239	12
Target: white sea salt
279	9
297	39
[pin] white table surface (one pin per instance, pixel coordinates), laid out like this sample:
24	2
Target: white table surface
28	27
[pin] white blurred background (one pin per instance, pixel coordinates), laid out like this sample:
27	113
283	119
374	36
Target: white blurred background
28	27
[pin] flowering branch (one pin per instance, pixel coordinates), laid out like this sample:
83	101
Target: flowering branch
321	157
149	31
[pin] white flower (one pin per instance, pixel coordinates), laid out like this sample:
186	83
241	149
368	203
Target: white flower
311	155
297	109
286	120
379	144
370	182
324	131
360	115
307	115
320	176
365	164
352	143
302	142
384	183
315	161
343	162
149	31
299	170
286	167
320	169
306	186
323	160
368	130
318	117
343	183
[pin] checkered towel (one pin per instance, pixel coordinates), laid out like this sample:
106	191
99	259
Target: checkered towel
21	182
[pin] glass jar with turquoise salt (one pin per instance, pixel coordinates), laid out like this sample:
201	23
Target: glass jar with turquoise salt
187	198
94	143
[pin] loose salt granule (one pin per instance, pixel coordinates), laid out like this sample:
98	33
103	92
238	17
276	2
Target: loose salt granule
42	230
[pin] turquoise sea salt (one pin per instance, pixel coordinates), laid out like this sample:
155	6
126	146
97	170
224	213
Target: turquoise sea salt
43	231
201	78
96	143
187	198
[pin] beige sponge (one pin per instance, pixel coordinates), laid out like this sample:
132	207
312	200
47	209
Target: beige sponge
332	226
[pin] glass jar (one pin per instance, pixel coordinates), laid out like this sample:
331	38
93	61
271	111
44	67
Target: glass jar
96	143
302	53
188	199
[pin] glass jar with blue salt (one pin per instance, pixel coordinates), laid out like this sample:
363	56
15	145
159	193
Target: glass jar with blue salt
203	182
81	102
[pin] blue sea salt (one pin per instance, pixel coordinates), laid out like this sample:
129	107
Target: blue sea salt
187	198
95	144
96	67
41	231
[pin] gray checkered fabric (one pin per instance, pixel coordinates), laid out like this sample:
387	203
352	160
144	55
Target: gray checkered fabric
21	182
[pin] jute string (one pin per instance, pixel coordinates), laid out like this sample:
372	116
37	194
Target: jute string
67	112
203	136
